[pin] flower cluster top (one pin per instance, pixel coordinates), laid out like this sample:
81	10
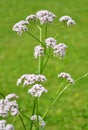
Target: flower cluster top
44	16
35	80
41	121
9	105
66	76
69	21
4	126
29	79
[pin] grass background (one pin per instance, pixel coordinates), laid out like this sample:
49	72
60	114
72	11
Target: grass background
16	58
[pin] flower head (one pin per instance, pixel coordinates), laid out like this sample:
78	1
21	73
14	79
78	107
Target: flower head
41	121
20	27
65	18
67	76
9	127
31	17
37	90
50	42
9	104
38	51
45	16
69	21
3	125
11	96
29	79
60	50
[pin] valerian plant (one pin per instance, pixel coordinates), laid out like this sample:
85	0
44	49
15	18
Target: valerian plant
43	51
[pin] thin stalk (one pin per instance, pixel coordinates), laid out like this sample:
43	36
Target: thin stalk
33	114
58	95
56	35
45	63
37	114
27	118
58	90
54	101
40	70
45	30
40	34
40	58
24	115
22	122
35	38
54	97
85	75
43	67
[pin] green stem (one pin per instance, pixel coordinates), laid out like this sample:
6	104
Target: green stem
43	67
22	122
35	38
85	75
27	117
58	90
33	113
37	114
40	58
54	101
45	30
45	63
39	64
56	35
61	92
24	115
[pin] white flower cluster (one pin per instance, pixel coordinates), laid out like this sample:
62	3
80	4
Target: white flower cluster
31	17
20	27
69	21
29	79
4	126
38	51
50	42
37	90
59	49
9	104
67	76
45	16
41	121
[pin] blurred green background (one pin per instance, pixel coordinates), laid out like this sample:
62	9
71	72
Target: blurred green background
16	58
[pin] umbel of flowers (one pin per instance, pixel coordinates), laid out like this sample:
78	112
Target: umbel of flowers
43	51
8	105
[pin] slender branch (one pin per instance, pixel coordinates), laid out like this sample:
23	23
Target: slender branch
27	117
61	92
57	96
85	75
37	113
46	61
22	122
56	35
45	30
35	37
58	90
40	39
24	115
33	114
